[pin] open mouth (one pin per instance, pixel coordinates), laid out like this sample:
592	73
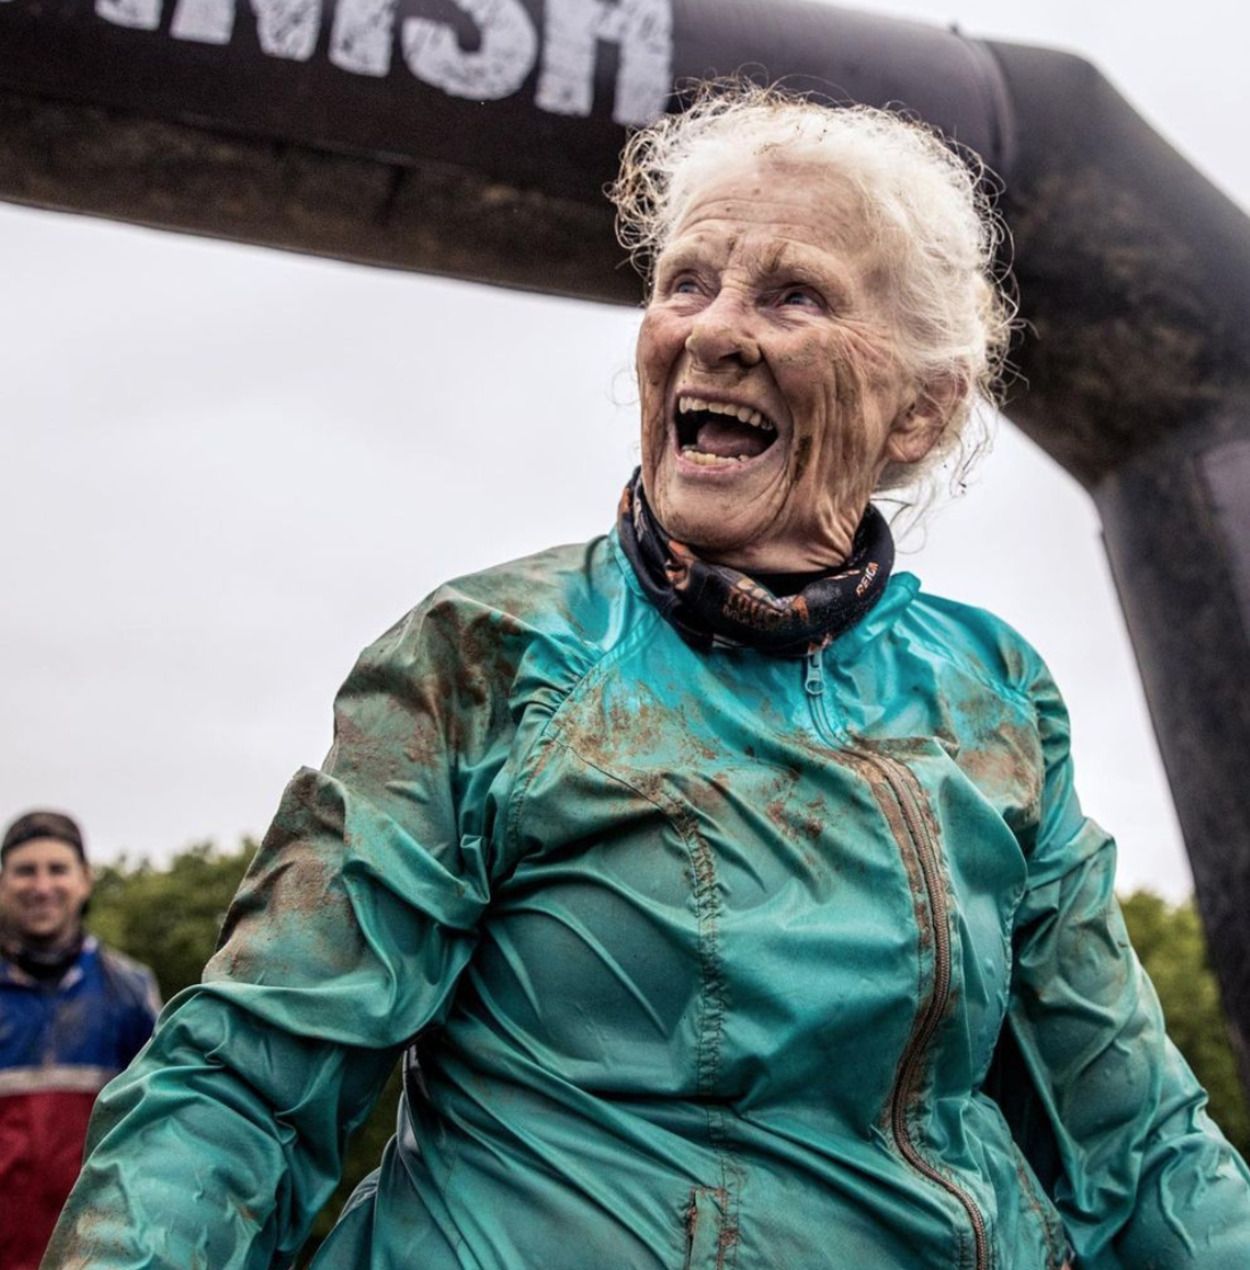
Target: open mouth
719	433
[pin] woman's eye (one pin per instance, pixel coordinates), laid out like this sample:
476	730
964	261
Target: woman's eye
685	286
800	296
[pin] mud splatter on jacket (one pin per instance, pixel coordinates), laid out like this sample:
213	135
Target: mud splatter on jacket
705	955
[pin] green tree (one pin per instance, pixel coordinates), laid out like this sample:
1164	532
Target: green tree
169	917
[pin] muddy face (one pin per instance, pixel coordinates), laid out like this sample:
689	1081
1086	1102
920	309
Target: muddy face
772	396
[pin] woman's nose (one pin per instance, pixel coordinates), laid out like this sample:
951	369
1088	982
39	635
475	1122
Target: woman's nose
722	333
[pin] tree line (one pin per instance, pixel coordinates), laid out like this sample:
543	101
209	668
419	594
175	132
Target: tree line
169	917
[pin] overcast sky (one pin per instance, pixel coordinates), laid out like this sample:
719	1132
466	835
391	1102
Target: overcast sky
225	470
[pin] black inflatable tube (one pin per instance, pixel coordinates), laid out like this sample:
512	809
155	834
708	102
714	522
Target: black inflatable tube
1133	269
1134	274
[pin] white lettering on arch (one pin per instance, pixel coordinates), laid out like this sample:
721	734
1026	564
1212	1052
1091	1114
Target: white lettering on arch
497	69
204	21
363	33
143	15
285	28
644	31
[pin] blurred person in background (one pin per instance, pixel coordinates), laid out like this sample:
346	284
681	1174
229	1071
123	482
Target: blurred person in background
72	1015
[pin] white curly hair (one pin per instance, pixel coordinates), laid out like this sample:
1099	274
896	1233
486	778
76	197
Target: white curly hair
927	202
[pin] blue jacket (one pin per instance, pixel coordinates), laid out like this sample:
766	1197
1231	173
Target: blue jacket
703	957
59	1045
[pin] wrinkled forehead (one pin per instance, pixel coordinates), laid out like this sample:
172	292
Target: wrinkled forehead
803	198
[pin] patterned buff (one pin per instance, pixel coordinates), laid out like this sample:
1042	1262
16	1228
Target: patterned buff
46	965
713	605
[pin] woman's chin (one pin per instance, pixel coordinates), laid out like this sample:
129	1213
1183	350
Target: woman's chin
758	545
698	518
718	514
710	532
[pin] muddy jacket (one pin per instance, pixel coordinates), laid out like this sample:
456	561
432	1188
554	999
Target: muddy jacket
60	1043
706	956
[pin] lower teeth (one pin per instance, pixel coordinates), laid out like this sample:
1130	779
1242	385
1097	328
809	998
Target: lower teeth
711	460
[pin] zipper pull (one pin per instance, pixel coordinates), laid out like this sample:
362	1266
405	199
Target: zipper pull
815	681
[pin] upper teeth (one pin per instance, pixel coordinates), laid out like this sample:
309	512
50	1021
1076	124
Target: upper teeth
744	414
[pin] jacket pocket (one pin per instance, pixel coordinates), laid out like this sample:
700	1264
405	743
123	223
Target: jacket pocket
711	1230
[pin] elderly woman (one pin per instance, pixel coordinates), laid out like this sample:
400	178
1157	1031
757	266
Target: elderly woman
702	870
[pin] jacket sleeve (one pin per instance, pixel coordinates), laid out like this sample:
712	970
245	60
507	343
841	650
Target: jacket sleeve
219	1145
1142	1177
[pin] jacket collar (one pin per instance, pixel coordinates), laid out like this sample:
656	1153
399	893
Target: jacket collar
901	589
13	975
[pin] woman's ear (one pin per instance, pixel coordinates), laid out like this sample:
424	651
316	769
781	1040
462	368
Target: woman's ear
919	426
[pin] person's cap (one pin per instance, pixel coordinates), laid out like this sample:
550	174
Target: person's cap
42	824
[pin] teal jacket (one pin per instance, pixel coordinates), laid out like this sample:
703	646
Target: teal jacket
703	959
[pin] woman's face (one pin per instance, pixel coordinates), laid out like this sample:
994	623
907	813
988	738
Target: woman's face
771	393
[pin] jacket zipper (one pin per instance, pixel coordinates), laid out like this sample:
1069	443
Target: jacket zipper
903	788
